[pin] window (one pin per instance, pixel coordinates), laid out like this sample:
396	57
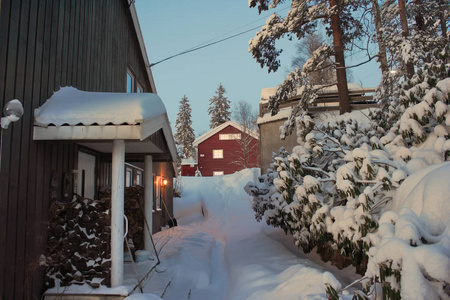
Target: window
217	153
157	191
130	82
139	89
138	178
129	174
217	173
229	136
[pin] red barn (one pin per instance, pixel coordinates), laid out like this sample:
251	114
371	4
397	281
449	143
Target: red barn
188	167
226	149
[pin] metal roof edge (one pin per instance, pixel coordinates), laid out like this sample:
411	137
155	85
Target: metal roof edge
140	37
213	131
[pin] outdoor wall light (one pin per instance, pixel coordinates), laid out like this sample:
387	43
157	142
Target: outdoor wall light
12	112
164	182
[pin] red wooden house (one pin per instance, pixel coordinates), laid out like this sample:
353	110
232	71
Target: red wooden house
223	150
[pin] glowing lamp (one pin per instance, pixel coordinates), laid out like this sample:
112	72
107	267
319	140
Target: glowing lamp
164	182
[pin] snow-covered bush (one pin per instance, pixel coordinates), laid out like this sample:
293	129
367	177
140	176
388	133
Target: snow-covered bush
338	181
412	253
325	190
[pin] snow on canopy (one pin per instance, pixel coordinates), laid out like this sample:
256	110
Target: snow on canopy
72	107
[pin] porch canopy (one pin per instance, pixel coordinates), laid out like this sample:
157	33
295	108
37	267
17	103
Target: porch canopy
95	118
132	124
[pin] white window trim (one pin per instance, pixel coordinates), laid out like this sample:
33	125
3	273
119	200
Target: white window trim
139	88
133	82
229	136
128	177
216	153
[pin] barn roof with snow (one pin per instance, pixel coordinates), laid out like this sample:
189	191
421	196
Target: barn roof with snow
219	128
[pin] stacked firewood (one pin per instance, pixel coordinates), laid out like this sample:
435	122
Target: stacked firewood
134	211
79	243
80	237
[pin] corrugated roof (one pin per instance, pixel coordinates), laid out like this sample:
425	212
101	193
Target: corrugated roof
70	106
71	114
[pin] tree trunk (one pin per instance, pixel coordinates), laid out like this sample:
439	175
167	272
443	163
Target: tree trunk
382	57
442	19
404	23
341	76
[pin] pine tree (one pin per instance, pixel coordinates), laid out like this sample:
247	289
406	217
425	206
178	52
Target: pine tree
184	132
219	108
301	20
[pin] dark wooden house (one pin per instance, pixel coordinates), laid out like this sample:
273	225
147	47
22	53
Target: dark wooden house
91	46
226	149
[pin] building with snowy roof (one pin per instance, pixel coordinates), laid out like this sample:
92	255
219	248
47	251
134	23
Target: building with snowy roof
326	101
226	149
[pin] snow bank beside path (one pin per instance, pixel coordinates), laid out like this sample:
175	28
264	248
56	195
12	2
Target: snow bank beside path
218	250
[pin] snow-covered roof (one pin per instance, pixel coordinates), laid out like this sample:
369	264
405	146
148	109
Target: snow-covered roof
188	161
267	92
282	114
71	114
213	131
71	106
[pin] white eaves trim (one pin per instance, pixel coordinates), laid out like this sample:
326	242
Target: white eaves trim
140	38
219	128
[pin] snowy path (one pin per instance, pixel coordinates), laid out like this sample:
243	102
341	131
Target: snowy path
223	253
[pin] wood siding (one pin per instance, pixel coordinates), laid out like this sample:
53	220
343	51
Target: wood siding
231	150
45	45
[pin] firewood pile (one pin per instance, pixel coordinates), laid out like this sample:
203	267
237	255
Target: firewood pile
80	238
134	211
79	243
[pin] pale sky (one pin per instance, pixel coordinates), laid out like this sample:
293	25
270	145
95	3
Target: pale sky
170	27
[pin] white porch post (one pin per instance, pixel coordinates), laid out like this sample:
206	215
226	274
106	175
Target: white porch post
148	195
117	211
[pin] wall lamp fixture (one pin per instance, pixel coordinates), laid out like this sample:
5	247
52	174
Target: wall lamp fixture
12	112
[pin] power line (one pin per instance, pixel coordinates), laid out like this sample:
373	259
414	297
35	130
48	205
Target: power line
204	46
209	43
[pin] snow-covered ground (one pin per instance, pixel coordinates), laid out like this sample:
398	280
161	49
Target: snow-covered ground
219	251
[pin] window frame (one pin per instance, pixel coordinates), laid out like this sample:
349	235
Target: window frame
215	152
157	192
128	177
138	179
230	136
139	88
131	80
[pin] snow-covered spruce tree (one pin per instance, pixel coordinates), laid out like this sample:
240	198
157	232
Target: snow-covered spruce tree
301	20
219	108
335	184
184	133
